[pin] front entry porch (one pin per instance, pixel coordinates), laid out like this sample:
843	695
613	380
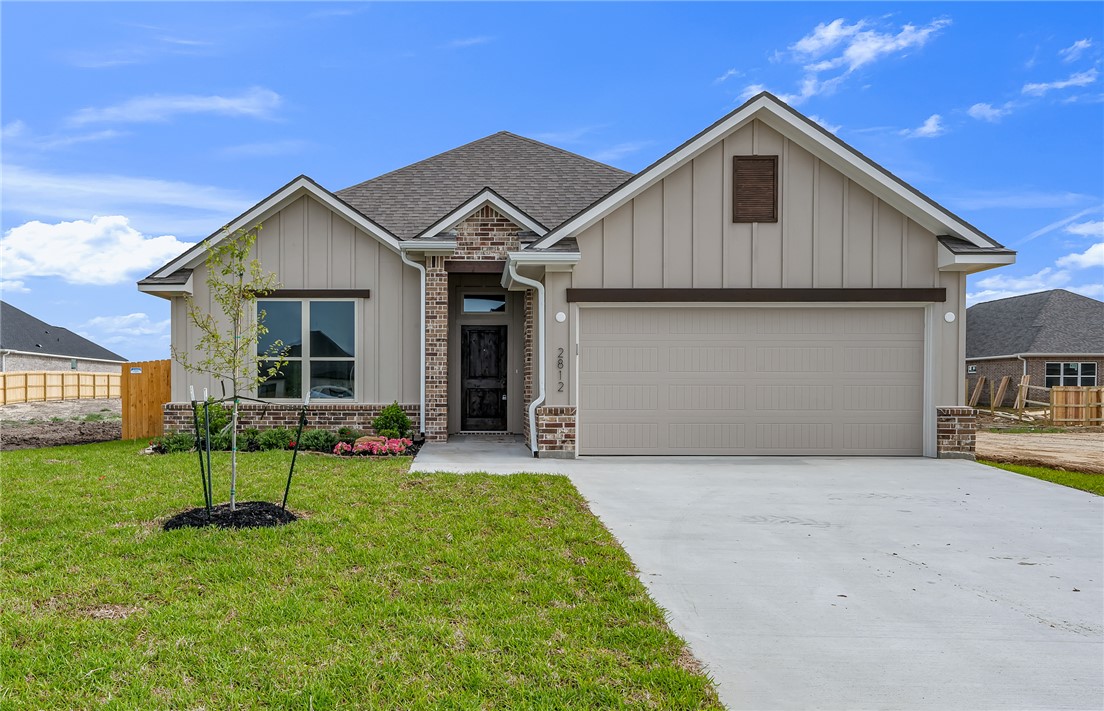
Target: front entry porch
489	453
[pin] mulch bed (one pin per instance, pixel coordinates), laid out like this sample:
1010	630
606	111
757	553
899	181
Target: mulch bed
249	514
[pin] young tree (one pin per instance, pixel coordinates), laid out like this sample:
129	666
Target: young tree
229	344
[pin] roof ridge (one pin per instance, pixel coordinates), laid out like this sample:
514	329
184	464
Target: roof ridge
542	144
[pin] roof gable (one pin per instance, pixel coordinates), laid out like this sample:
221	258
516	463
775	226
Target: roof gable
19	331
1047	322
545	183
810	136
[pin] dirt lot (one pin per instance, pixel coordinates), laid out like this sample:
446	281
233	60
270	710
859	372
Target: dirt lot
49	424
1072	451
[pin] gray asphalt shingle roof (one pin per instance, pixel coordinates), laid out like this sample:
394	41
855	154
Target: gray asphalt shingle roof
547	183
1055	321
19	331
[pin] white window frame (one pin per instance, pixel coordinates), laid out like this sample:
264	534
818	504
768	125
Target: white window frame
305	358
1080	377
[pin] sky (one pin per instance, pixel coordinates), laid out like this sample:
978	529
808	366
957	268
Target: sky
130	131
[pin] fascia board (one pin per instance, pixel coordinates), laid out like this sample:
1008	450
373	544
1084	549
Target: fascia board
951	262
259	212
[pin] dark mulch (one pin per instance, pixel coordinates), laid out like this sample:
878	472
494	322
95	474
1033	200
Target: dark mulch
249	514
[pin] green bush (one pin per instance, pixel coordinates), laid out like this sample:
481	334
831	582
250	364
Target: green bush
173	442
392	422
248	440
318	440
276	438
348	435
219	416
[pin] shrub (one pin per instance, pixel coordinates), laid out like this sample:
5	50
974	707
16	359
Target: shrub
219	417
173	442
248	440
276	438
348	435
391	447
318	440
392	422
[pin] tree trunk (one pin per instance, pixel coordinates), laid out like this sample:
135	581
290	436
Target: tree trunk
234	456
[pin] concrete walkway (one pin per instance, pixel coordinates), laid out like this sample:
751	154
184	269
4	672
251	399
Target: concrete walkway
863	583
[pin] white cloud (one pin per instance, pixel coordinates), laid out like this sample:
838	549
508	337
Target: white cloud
829	127
988	112
100	251
751	90
1058	223
843	47
12	286
569	135
464	42
1087	229
13	129
256	102
619	151
152	205
1075	50
728	75
1091	257
17	135
136	330
931	128
1079	79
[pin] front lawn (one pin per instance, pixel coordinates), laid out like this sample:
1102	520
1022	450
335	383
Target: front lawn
1093	483
394	591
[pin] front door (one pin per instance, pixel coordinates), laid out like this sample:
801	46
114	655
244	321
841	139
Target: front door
483	384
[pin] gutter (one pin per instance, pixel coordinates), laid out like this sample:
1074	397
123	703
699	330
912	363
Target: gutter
7	351
511	267
422	330
1021	356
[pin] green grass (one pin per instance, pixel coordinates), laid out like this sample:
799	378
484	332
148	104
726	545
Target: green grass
1028	429
1093	483
394	591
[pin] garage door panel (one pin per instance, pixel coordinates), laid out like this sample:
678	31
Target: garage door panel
725	380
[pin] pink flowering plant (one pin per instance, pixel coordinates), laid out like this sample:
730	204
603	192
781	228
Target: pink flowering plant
383	448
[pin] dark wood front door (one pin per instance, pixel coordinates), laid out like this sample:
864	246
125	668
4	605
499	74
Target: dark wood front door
483	385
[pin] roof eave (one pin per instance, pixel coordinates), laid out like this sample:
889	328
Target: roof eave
972	262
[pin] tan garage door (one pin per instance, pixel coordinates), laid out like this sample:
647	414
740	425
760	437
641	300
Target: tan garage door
736	380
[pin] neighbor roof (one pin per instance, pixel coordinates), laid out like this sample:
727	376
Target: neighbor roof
1047	322
19	331
547	183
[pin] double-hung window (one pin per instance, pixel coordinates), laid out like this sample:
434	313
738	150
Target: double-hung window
320	338
1070	374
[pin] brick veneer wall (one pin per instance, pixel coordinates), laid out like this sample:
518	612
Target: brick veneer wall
556	431
994	370
436	359
486	235
178	415
15	362
956	432
528	364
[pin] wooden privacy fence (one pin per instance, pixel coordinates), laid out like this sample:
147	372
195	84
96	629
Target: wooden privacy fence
146	388
1077	405
41	386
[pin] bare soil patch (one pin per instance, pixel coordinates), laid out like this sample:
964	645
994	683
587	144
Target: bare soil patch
63	409
1077	452
52	424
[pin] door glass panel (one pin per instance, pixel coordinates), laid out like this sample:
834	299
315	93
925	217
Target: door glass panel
284	321
485	304
332	329
287	383
331	379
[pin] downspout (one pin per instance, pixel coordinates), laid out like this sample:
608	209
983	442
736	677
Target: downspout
512	268
1024	362
421	387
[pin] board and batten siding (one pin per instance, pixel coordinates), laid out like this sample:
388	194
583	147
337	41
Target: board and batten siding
309	246
831	233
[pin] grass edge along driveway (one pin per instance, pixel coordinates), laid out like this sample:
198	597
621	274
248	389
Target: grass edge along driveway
394	591
1092	483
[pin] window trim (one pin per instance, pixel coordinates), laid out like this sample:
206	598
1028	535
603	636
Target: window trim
304	325
1080	376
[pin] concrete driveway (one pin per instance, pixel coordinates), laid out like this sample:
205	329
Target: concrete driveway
867	583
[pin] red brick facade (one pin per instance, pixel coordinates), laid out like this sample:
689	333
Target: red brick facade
528	363
556	431
436	358
486	236
994	370
956	432
178	416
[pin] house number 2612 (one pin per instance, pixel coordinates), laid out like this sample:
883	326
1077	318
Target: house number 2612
559	367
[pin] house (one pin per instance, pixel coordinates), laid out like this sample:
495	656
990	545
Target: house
761	289
29	344
1056	337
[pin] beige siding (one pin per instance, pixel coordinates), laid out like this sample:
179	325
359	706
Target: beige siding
830	233
311	247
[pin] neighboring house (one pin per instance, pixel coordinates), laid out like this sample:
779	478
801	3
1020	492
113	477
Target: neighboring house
761	289
1056	337
26	343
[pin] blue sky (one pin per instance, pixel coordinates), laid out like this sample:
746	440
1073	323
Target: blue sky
132	130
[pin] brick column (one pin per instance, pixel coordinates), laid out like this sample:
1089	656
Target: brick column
556	432
436	317
528	362
956	432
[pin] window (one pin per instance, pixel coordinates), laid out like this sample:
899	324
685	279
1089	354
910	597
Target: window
485	304
320	336
1083	374
755	188
72	364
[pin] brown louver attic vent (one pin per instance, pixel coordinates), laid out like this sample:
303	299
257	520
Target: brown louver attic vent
755	188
